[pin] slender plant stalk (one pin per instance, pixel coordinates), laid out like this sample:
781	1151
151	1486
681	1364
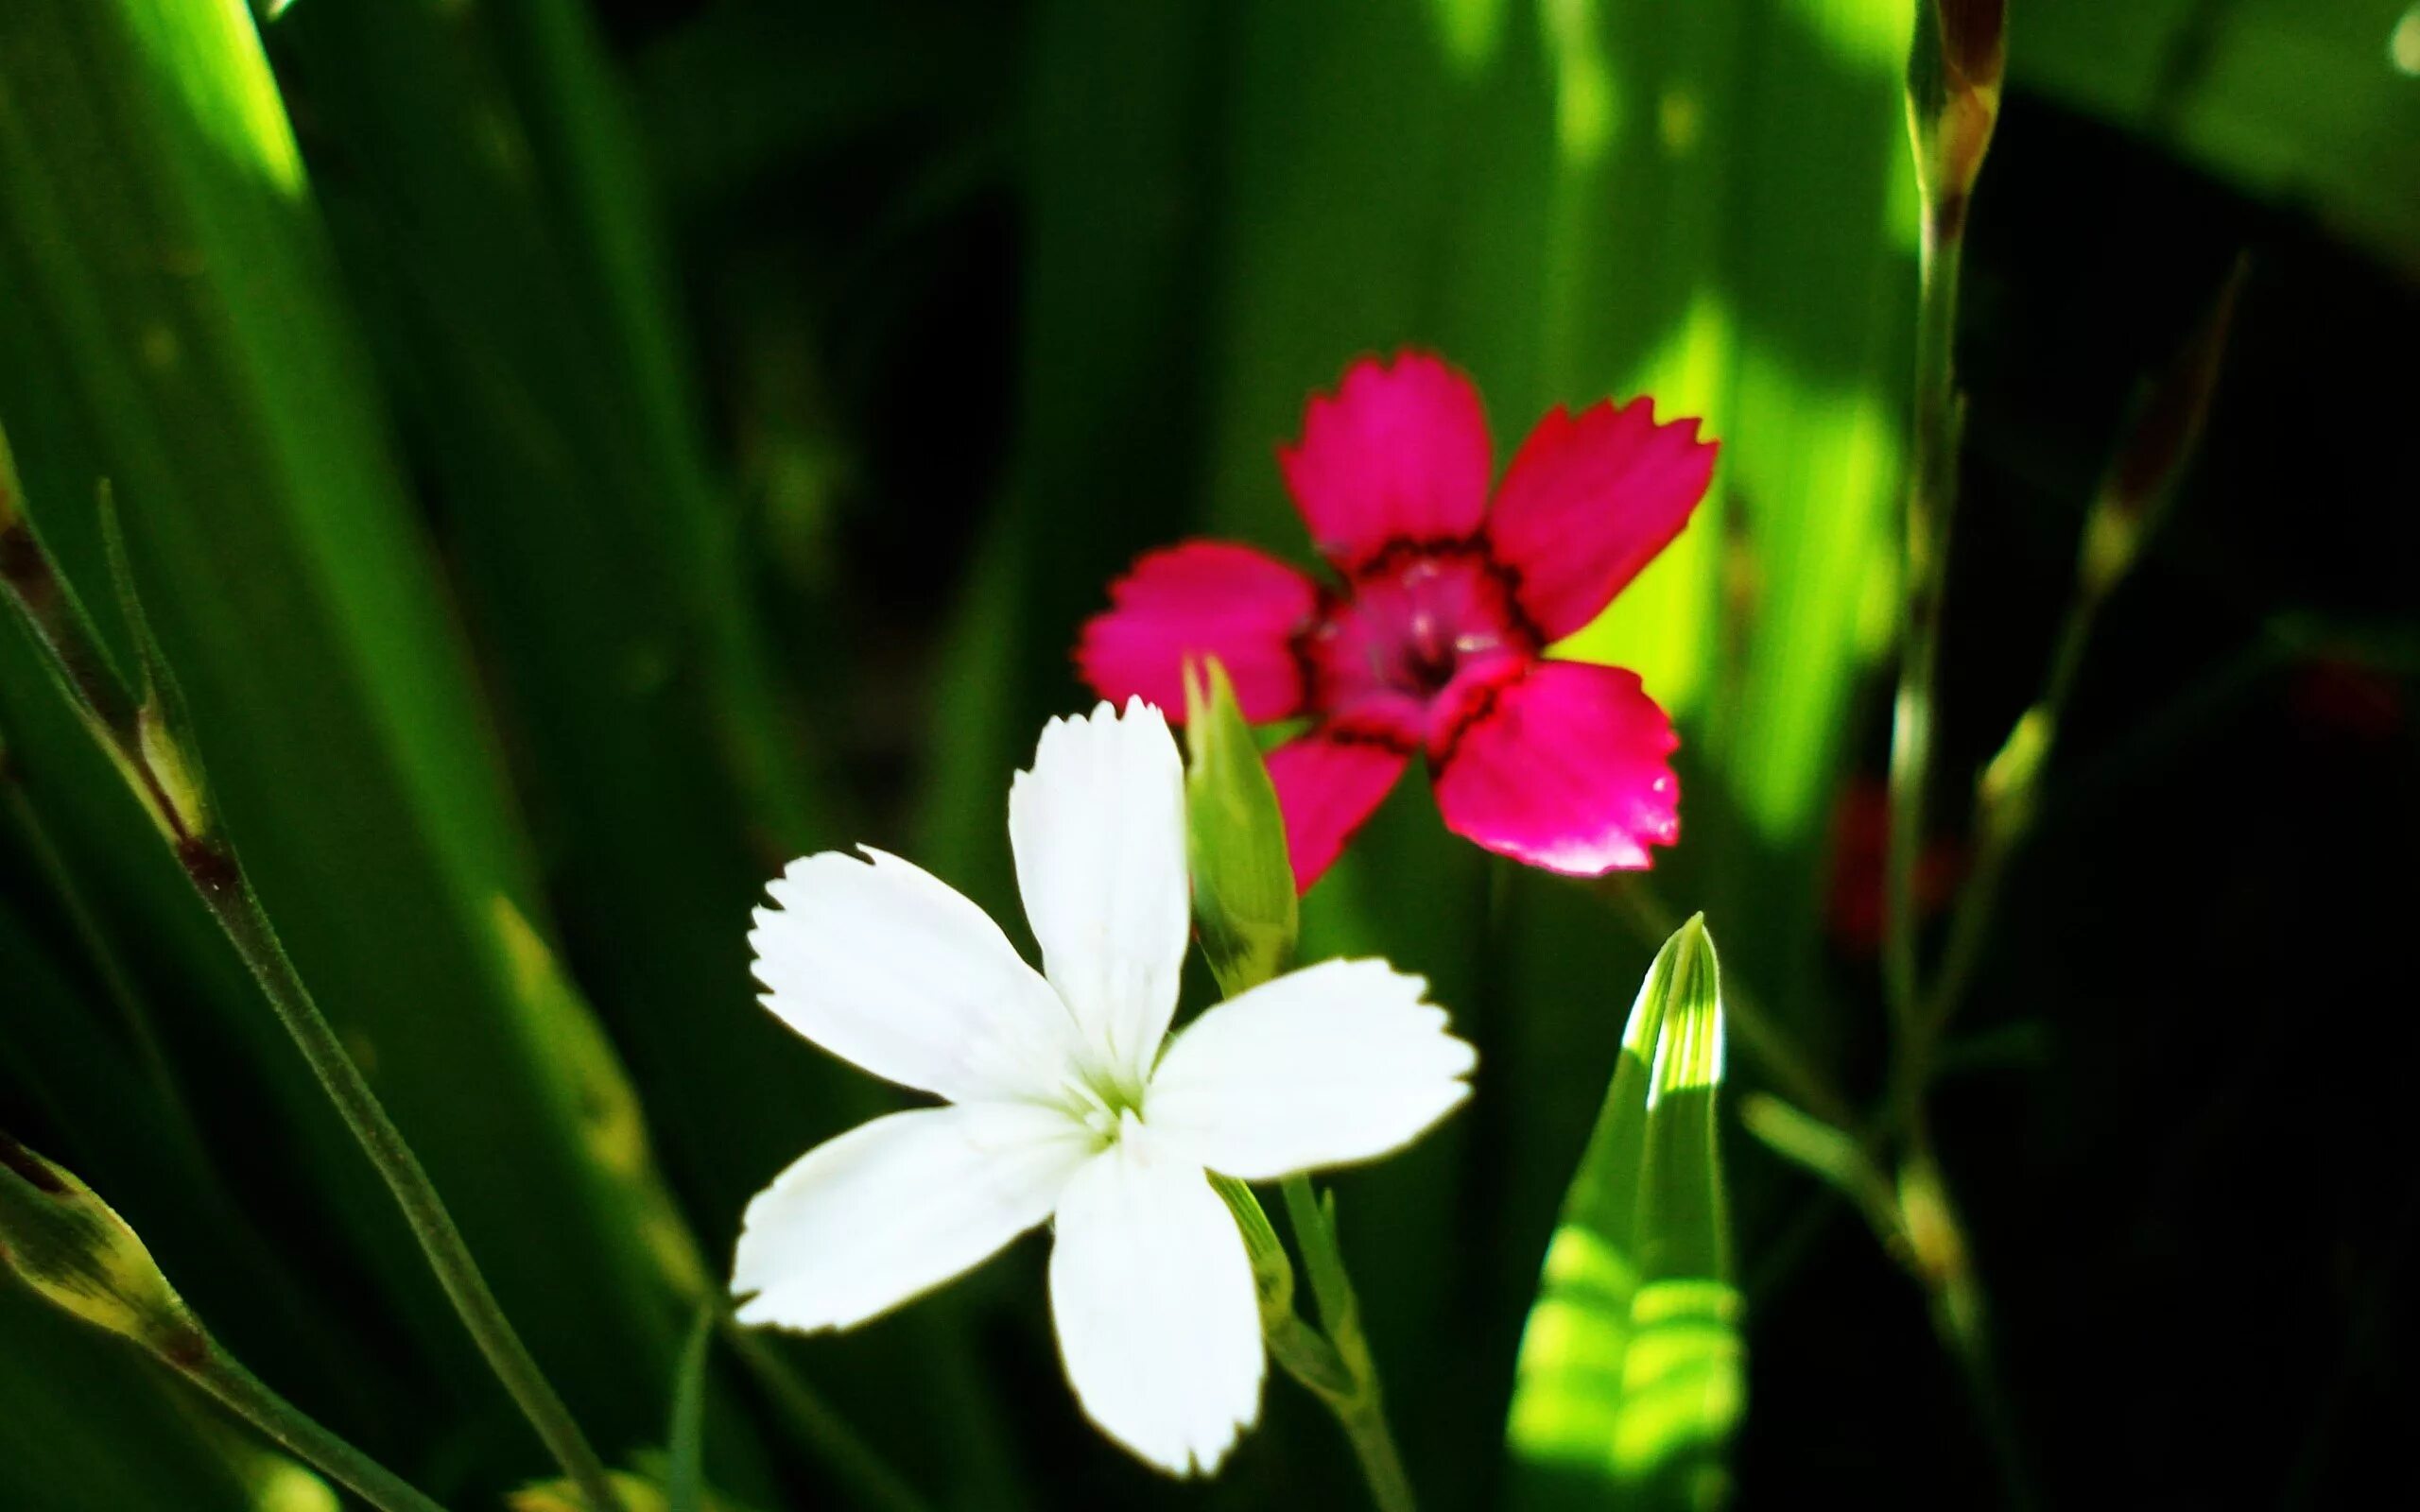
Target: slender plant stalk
1931	499
1954	73
2129	507
1362	1410
247	1396
72	1251
233	1226
150	753
228	894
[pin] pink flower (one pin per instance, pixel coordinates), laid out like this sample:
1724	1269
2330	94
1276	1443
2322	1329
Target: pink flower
1434	641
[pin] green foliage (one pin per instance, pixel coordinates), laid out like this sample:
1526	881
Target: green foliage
2297	102
176	328
1630	1377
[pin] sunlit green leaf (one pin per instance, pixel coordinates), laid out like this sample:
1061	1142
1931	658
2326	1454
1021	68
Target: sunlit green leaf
1630	1379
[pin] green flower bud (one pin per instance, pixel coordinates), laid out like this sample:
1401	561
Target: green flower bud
66	1243
1243	885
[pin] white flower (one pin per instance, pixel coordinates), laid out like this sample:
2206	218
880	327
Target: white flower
1060	1102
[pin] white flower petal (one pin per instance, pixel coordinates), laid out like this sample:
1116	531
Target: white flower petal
1099	829
1158	1320
1337	1062
895	1207
884	966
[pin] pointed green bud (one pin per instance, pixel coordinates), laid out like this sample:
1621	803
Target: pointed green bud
2159	443
1243	885
76	1254
1955	70
2006	791
1937	1246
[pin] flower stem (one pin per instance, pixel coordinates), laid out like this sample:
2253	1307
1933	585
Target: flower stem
164	773
1931	499
228	894
200	1360
1954	74
1362	1410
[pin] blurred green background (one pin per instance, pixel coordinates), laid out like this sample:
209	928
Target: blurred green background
581	454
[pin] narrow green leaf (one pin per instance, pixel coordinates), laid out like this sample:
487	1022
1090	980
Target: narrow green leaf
1630	1379
1243	885
170	320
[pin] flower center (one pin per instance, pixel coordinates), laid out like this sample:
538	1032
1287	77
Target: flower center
1104	1110
1414	618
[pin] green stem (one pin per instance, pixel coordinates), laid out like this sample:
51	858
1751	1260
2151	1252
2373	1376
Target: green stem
870	1480
1953	99
1362	1414
200	1360
228	894
1932	497
48	607
2002	826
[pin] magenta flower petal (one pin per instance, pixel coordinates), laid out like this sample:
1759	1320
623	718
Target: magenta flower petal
1328	781
1400	453
1203	598
1589	501
1562	766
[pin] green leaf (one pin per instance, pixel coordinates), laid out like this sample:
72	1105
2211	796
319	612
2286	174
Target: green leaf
1243	885
1630	1378
170	320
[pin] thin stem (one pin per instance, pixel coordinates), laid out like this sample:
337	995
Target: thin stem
1363	1413
200	1360
1932	497
227	893
163	777
1953	100
2006	818
870	1480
